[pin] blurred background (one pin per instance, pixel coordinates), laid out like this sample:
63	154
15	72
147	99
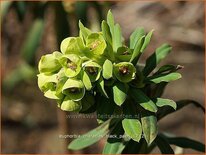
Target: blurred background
32	123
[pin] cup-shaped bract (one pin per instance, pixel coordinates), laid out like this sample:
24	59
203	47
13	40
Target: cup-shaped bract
70	105
74	89
72	45
124	71
93	70
47	84
124	54
72	64
96	44
49	63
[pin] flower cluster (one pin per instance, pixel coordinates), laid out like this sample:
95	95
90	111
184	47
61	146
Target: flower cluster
72	76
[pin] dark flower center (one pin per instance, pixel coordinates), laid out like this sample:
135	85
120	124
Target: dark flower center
91	70
125	53
74	90
124	70
94	45
71	65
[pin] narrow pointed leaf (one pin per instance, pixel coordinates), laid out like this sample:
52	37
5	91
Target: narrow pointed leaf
135	36
149	127
163	78
110	21
136	52
106	32
143	100
146	41
160	102
132	128
91	137
117	37
156	58
85	32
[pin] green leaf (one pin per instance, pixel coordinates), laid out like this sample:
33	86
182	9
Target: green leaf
135	36
106	32
114	145
156	58
83	31
107	69
143	100
86	81
146	41
132	128
117	37
163	78
110	21
149	127
136	52
160	102
100	86
164	111
91	137
163	145
119	93
186	143
166	69
31	43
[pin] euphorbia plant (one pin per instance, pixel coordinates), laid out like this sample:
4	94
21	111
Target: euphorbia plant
98	72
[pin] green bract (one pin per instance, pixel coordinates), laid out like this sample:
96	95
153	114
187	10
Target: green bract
72	64
49	63
72	45
74	89
70	105
124	71
93	70
97	72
